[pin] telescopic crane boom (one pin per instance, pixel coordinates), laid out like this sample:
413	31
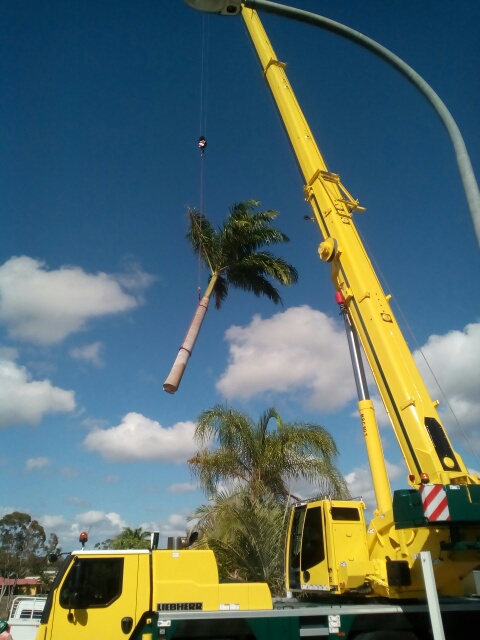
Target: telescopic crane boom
422	438
329	549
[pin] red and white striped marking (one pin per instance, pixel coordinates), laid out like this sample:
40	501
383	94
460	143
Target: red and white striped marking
435	504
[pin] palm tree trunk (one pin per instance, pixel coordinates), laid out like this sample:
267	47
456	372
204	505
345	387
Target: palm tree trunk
172	382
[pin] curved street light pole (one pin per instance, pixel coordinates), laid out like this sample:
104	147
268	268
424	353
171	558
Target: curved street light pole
463	160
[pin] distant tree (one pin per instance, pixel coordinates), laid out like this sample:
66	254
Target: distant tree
127	539
105	544
234	256
245	525
24	546
52	544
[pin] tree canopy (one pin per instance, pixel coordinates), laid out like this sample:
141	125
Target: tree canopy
127	539
23	551
247	469
24	545
247	536
233	253
263	458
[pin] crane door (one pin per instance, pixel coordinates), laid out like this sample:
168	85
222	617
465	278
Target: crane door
327	547
307	557
99	597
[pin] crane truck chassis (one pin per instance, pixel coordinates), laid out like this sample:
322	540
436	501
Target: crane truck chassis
175	594
367	580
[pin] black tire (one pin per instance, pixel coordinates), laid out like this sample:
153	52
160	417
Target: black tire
387	635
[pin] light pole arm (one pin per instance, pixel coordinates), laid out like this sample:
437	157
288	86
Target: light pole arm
463	160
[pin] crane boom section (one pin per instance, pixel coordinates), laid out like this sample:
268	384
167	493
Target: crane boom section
417	425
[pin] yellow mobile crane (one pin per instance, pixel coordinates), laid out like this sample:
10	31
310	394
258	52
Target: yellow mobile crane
175	593
330	550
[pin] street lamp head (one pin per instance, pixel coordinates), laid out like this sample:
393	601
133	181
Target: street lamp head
224	7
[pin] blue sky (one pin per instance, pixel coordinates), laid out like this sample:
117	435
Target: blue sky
102	106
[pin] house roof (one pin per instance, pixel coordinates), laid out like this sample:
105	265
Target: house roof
19	582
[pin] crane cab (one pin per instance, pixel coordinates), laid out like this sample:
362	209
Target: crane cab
327	549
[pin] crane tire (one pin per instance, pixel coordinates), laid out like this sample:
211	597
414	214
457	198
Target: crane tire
390	634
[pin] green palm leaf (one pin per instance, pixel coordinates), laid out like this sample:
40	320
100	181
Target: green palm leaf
262	457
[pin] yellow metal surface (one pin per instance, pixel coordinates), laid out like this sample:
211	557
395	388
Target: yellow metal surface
347	551
371	434
190	577
183	580
104	621
355	557
402	389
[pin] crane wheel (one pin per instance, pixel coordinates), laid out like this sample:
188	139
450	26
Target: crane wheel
387	635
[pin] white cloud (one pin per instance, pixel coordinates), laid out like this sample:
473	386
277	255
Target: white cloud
176	520
8	353
139	438
37	463
89	353
23	400
45	306
94	423
52	523
133	277
78	502
360	483
299	350
396	471
100	525
111	479
304	352
176	524
70	472
455	360
183	487
381	414
89	518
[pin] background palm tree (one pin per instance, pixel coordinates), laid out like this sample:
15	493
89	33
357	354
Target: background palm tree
128	538
245	524
234	257
262	458
247	536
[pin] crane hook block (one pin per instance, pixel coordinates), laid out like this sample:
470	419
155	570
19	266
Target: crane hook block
202	144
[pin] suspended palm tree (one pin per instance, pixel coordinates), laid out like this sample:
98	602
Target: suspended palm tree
262	459
234	257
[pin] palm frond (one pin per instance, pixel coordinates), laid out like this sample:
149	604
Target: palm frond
247	537
263	264
233	253
219	466
202	237
220	291
266	459
250	230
